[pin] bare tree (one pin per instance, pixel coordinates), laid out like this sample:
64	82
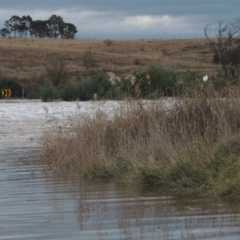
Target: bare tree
226	46
57	71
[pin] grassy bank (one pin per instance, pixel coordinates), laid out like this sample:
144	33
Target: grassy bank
191	147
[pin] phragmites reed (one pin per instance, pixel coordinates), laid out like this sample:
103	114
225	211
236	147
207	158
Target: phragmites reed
173	146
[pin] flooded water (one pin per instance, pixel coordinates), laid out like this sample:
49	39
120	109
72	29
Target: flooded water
34	205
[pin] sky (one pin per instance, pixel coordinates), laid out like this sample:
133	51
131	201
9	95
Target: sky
129	19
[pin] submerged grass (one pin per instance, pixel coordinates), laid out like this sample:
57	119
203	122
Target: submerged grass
192	146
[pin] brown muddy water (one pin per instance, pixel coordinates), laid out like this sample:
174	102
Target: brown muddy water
34	205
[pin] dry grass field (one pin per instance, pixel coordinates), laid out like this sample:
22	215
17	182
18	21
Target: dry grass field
26	58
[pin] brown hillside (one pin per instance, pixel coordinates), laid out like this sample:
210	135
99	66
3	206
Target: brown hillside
27	58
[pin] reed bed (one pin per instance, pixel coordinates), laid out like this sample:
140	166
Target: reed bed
192	146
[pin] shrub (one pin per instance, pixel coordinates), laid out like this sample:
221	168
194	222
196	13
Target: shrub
108	42
68	92
99	85
32	90
189	78
126	89
220	81
137	61
143	83
49	92
162	82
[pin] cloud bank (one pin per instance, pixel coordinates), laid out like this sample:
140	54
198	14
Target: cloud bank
132	20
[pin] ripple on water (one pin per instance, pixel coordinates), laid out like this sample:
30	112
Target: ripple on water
37	206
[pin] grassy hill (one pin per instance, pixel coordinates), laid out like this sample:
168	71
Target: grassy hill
27	60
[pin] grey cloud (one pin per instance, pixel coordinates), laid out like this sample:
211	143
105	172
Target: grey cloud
110	18
156	7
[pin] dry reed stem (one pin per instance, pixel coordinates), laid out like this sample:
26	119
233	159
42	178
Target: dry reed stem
154	144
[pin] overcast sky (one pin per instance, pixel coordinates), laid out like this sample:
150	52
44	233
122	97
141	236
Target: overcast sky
128	19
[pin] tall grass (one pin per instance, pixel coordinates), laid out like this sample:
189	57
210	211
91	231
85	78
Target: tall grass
191	146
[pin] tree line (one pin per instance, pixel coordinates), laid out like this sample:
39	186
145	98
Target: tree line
25	26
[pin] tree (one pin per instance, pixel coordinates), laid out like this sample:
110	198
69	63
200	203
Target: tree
18	25
57	71
7	26
14	25
39	29
4	32
55	25
69	31
226	47
26	24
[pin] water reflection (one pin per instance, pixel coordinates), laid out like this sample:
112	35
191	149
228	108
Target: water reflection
38	206
113	211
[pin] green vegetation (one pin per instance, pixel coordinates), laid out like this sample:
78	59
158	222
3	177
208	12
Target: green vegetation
98	85
152	82
162	82
49	92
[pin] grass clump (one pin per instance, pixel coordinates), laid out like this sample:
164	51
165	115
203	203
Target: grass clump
191	146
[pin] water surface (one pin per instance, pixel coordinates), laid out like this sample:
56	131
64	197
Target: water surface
35	205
